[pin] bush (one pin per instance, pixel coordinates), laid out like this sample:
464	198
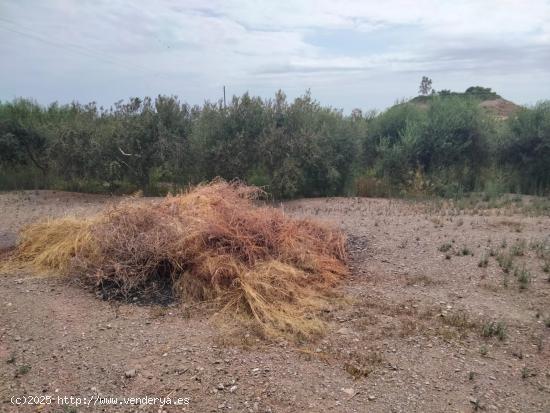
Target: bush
526	148
455	140
483	93
445	145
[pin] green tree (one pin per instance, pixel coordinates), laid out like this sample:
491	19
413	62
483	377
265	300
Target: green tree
425	86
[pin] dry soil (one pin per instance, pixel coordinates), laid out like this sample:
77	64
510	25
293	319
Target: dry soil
417	329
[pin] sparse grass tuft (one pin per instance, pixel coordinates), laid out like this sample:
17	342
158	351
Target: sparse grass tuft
523	276
537	207
505	261
518	248
457	325
423	280
361	365
518	354
23	369
494	329
445	247
465	251
11	358
541	247
459	319
483	262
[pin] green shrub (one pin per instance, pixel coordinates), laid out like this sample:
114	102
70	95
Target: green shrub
526	147
441	145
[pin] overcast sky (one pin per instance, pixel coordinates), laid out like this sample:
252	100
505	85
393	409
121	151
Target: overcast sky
364	54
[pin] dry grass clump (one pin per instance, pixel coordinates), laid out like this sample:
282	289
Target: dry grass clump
210	243
50	245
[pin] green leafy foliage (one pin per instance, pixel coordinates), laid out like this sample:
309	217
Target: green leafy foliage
526	147
447	142
292	148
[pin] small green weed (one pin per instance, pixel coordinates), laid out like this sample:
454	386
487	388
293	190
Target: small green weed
11	358
445	247
523	276
483	262
518	248
505	261
24	369
494	329
484	351
465	251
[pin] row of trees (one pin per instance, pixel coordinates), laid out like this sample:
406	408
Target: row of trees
297	148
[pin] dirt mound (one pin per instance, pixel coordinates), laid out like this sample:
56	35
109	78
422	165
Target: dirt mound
501	108
498	107
212	243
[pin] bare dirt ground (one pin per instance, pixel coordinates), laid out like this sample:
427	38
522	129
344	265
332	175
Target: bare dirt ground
502	108
430	323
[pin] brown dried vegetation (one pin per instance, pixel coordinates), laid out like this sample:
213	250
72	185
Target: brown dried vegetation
212	243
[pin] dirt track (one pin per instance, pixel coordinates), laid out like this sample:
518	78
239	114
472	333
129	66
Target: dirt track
408	339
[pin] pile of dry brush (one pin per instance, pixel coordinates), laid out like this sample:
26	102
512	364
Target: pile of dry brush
212	243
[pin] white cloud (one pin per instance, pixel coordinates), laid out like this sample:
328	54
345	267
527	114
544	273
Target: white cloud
105	50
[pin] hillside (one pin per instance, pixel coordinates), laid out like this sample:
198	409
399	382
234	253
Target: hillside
489	100
500	107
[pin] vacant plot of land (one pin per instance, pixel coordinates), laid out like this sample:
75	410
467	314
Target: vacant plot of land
445	310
